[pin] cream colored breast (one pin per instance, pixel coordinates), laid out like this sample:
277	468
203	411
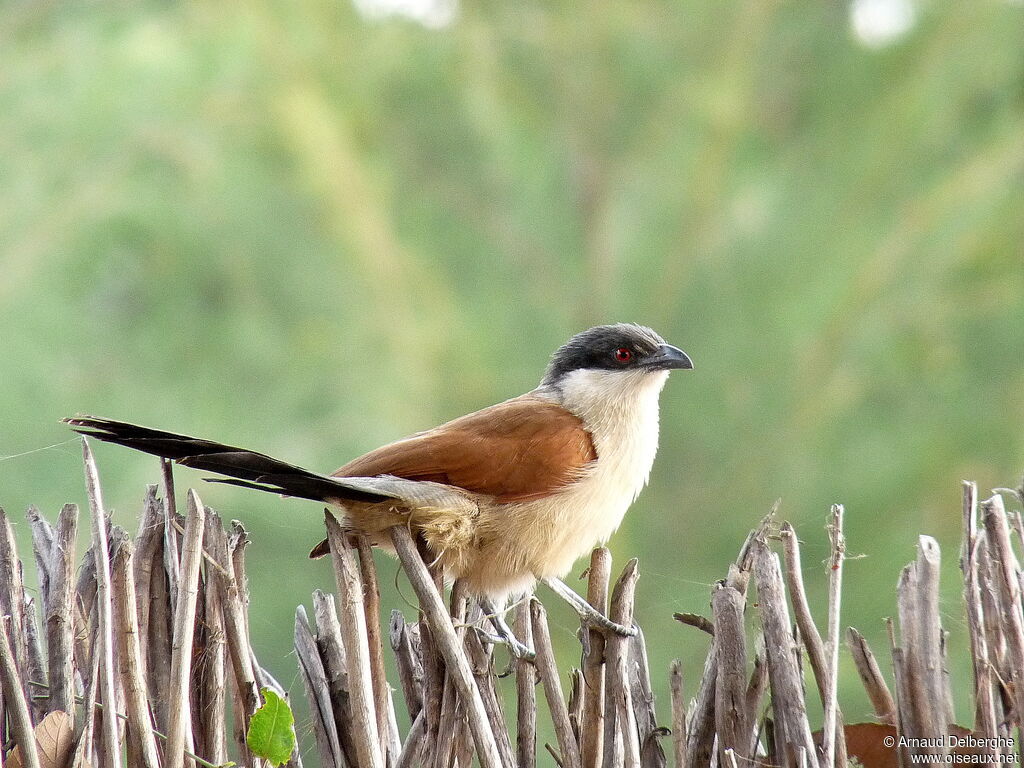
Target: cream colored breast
620	410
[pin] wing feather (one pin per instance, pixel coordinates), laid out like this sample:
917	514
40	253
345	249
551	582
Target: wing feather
522	449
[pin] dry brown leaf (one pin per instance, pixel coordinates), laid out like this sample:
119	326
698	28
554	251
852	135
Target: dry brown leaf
54	736
865	741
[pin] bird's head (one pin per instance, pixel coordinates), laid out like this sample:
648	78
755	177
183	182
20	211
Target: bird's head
614	360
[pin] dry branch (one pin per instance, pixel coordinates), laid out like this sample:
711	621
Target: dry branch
179	719
599	574
352	615
447	642
105	627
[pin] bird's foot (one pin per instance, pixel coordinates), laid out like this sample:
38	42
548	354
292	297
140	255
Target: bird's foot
587	613
503	634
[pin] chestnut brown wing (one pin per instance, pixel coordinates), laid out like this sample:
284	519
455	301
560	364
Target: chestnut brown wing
518	450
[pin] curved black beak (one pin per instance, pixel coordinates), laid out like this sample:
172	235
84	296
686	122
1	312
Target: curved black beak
667	358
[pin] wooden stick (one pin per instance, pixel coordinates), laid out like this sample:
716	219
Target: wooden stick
212	665
617	711
335	660
44	547
179	716
60	629
445	741
17	705
787	692
801	610
652	754
352	615
548	673
930	634
985	724
12	600
140	725
917	658
675	684
871	677
575	703
108	696
172	561
592	736
480	661
731	686
318	694
526	702
405	646
36	676
833	741
381	697
700	734
1007	572
447	642
756	688
148	546
412	750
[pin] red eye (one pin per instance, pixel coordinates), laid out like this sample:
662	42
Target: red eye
623	355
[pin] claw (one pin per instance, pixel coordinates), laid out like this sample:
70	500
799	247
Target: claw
587	613
504	635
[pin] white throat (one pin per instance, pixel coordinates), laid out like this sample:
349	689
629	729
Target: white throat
620	410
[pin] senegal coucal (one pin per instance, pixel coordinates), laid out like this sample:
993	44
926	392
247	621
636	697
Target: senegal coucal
502	497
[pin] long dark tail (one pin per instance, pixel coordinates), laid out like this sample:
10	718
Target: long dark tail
248	469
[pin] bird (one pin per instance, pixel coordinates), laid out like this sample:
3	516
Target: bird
501	497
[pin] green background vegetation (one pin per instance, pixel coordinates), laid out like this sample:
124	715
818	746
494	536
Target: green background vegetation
290	227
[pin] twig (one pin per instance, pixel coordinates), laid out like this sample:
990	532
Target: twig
871	677
787	693
352	616
17	704
801	610
172	561
548	673
731	685
592	736
381	697
833	742
1007	579
675	684
696	621
480	660
60	635
36	667
148	541
314	678
618	712
140	726
413	748
526	681
111	744
649	733
12	599
212	671
985	723
405	646
335	662
447	642
179	716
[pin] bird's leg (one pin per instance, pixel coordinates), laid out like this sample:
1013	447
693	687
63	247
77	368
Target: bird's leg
586	611
504	631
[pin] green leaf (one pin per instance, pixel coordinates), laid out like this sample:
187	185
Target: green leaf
271	735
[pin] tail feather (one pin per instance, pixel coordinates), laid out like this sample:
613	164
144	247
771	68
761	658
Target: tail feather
245	468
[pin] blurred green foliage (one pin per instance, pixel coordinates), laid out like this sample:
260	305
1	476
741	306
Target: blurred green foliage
289	227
